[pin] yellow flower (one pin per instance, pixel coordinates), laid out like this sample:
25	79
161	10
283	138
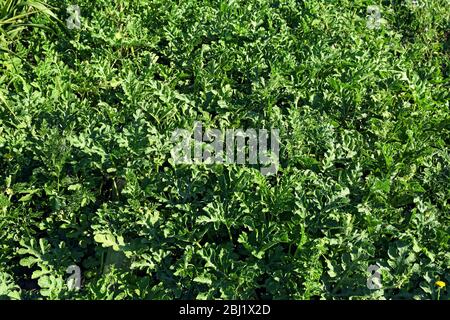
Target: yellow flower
440	284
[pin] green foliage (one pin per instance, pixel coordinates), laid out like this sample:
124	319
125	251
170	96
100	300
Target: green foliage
15	16
8	289
86	177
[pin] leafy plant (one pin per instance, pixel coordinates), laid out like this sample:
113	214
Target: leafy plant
87	179
15	17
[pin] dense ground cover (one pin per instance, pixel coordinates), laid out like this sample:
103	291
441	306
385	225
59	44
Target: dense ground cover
86	179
